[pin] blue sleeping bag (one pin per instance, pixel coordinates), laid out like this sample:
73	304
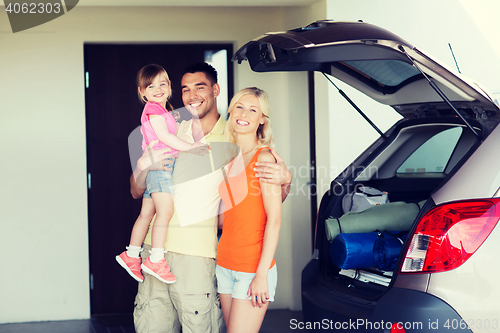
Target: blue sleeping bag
351	251
386	252
366	250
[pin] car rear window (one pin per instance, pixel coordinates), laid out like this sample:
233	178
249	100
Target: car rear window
433	155
387	72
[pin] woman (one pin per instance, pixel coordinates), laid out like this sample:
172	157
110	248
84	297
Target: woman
246	270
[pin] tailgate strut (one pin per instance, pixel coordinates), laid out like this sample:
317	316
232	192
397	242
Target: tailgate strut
356	107
442	95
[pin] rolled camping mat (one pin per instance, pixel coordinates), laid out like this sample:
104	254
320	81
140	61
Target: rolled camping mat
386	252
352	251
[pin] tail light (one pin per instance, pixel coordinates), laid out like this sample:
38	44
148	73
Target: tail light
448	235
397	328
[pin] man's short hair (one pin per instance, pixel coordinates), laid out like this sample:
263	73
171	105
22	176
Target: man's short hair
202	67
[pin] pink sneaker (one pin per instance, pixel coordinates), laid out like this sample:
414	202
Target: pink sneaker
159	270
131	265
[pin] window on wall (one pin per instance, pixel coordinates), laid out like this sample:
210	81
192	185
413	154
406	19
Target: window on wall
218	59
433	155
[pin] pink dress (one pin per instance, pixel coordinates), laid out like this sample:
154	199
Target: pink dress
148	134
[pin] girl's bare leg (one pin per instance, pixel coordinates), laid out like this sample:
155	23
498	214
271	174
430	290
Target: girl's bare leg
244	318
164	205
141	225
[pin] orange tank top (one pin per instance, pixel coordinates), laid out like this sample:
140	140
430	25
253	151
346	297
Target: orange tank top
240	245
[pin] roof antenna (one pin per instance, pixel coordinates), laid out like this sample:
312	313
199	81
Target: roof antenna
456	64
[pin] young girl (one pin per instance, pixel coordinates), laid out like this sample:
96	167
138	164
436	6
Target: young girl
154	89
246	270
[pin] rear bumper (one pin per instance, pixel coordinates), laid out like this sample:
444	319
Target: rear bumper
416	311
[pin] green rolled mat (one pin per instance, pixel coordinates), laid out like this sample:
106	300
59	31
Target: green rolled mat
393	216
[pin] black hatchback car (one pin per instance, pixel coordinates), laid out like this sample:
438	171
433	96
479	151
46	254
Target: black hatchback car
420	254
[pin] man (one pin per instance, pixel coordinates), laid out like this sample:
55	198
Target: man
192	301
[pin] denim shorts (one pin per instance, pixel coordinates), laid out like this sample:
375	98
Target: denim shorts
237	283
160	180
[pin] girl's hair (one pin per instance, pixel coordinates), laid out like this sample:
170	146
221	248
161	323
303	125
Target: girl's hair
264	131
145	77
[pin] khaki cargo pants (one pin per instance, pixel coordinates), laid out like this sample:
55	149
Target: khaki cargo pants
192	302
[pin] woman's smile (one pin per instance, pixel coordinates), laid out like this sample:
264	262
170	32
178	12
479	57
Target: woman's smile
242	122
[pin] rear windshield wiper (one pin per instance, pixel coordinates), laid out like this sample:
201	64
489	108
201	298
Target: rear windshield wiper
356	107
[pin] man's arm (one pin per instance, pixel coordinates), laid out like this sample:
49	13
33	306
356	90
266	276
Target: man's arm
151	159
275	173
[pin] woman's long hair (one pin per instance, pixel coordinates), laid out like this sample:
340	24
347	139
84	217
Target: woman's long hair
145	77
264	131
